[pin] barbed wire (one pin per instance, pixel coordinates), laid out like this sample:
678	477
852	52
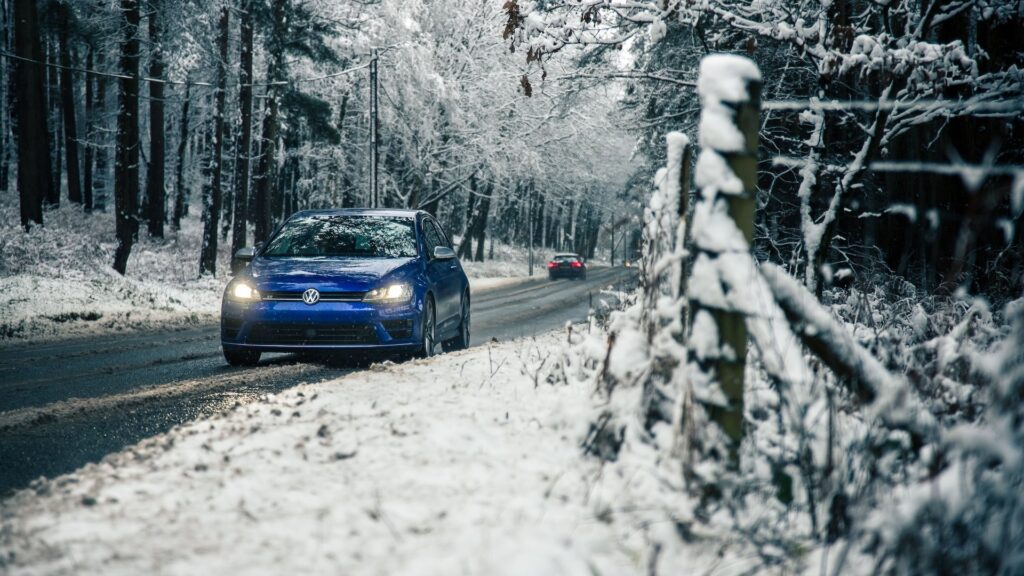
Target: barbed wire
954	169
1013	106
973	175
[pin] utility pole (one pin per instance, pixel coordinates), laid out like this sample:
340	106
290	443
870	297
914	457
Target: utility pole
374	126
529	219
612	256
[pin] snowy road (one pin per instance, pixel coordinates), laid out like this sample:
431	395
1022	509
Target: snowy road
64	404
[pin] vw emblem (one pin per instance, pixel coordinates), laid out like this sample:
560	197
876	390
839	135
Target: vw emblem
311	296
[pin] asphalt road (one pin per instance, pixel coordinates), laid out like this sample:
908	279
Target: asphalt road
67	403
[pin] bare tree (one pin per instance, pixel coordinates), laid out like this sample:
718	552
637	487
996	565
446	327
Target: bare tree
155	187
179	173
265	177
67	97
245	141
87	149
5	118
208	257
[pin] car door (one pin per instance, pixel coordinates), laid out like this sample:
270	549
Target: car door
442	275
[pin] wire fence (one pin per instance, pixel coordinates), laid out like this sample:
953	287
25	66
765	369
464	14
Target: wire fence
978	105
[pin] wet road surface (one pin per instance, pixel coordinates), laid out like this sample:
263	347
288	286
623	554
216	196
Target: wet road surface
66	403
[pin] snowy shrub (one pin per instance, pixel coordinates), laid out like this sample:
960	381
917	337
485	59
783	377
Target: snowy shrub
964	514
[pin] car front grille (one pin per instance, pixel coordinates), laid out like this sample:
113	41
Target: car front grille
289	296
313	334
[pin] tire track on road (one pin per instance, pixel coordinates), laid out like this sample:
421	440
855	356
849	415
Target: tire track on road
77	407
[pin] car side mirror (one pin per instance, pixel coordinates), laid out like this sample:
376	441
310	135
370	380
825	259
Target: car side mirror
444	253
242	257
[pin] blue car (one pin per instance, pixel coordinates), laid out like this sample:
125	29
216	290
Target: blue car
354	280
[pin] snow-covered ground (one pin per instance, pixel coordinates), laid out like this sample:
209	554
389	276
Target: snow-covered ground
70	288
461	464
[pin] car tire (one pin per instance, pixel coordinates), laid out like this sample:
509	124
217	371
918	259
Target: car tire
461	342
428	334
242	357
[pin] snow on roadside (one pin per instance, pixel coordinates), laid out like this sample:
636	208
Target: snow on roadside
57	279
513	261
508	262
460	464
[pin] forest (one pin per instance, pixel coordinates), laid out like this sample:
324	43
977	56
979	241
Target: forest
245	112
821	368
495	116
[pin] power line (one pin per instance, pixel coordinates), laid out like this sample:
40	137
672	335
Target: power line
13	56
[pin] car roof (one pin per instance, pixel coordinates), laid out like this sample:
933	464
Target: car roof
359	212
566	254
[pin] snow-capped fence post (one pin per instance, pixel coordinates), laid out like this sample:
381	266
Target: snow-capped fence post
721	237
677	175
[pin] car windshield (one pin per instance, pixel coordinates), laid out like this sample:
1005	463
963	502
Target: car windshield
566	258
350	236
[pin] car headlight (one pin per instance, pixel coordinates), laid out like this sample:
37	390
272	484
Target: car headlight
244	292
391	293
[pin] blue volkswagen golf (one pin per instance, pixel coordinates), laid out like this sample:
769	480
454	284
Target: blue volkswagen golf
354	280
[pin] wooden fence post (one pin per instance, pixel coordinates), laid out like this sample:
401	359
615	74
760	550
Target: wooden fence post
721	237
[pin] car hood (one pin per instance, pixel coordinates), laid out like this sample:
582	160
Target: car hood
326	274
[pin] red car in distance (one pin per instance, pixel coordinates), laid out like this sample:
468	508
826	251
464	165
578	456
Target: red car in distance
567	265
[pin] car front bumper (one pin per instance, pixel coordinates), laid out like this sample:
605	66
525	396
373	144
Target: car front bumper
289	326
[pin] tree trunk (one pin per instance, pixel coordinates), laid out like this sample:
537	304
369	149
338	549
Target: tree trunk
228	197
90	135
155	186
179	173
34	181
481	222
5	152
466	246
100	183
67	97
265	177
245	141
53	119
208	256
126	163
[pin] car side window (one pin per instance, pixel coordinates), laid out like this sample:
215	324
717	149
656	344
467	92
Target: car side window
442	237
430	237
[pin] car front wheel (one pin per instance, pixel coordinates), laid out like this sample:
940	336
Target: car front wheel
428	337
